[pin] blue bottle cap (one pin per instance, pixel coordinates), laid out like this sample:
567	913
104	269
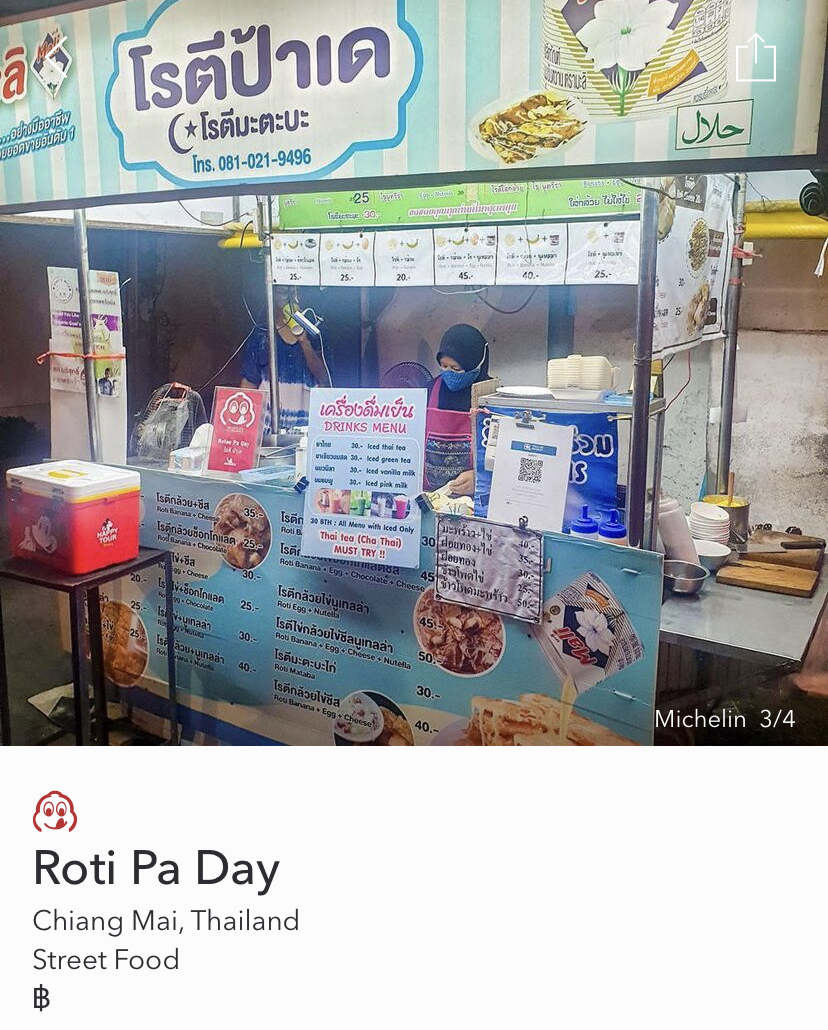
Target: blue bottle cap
612	527
585	525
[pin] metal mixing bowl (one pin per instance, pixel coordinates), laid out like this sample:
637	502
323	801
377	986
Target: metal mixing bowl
682	577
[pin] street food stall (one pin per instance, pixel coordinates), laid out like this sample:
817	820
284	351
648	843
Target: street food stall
323	593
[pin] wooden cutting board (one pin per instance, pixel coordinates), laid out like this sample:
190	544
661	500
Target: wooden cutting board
811	558
776	579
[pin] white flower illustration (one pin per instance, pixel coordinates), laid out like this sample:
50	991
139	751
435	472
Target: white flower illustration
627	33
594	628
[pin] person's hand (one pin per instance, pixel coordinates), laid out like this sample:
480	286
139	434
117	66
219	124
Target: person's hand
463	485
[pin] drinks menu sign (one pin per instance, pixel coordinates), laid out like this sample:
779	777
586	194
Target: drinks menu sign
141	96
365	468
237	429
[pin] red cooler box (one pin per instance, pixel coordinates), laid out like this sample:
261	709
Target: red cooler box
74	515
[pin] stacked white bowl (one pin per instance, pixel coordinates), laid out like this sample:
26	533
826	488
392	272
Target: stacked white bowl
709	522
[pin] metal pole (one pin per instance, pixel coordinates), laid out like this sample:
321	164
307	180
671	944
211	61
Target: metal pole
642	366
266	224
92	415
731	343
658	467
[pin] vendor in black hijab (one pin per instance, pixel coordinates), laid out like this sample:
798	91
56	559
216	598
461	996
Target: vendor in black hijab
449	457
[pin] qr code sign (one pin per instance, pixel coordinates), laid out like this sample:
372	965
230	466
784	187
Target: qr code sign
531	470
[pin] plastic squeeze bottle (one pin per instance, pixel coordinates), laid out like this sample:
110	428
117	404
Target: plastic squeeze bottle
584	527
613	531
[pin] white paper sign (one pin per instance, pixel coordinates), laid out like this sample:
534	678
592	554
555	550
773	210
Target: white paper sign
531	474
603	252
486	565
404	258
465	256
531	255
365	471
347	259
295	258
69	433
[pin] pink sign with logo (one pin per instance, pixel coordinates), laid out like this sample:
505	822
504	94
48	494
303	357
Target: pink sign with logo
237	429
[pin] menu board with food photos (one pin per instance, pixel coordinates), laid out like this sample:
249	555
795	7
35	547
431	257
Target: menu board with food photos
695	243
347	259
276	647
295	258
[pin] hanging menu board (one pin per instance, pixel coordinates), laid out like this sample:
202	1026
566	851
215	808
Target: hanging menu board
347	259
695	242
603	252
365	469
404	258
543	254
531	254
295	258
465	257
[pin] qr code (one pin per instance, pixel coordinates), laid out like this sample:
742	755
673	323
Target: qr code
531	470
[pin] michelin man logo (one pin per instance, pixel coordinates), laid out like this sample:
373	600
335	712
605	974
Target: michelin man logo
54	811
238	412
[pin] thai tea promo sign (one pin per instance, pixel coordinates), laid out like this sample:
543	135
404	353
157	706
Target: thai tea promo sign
365	469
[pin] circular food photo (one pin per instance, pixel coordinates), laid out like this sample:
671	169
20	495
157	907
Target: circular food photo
463	641
126	653
698	246
245	531
366	718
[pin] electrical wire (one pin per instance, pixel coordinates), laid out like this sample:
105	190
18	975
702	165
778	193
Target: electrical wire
244	299
514	311
689	377
322	353
459	293
226	363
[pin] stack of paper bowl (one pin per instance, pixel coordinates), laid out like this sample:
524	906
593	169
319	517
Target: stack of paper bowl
563	373
597	374
708	522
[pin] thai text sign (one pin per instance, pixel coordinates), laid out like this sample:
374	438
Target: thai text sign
138	97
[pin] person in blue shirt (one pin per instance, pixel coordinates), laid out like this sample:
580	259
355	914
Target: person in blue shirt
300	367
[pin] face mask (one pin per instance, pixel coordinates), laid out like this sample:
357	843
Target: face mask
455	380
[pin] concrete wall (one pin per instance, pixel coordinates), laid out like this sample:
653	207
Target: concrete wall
780	455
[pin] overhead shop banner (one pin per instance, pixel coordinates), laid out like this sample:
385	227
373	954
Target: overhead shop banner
137	97
300	650
467	204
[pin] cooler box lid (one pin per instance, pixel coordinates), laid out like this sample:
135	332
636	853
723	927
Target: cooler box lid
74	481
